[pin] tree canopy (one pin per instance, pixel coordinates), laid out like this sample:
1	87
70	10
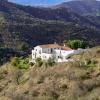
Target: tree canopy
75	44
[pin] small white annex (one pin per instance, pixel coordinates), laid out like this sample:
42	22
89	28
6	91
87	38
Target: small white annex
53	51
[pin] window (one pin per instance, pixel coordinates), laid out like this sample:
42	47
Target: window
51	50
35	49
58	57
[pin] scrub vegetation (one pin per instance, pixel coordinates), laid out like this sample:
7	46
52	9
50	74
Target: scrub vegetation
77	80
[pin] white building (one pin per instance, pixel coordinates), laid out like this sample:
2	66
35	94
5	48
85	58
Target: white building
53	51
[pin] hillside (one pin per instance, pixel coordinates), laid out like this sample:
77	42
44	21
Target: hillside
64	81
83	7
28	26
64	12
23	27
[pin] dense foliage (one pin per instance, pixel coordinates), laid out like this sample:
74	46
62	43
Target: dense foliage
75	44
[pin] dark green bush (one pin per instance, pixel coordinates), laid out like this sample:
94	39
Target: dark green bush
38	62
75	44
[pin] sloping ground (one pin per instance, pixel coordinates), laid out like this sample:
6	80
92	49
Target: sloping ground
7	53
83	7
29	26
67	12
65	81
16	34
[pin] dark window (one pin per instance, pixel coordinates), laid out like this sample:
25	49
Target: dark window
51	50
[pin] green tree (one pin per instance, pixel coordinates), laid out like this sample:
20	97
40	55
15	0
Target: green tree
75	44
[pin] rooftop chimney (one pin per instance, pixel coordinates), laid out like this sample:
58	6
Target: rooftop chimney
55	42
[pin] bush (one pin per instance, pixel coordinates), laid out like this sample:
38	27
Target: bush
38	62
20	62
14	61
16	76
88	64
49	62
75	44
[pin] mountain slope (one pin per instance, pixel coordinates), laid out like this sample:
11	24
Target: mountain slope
83	7
22	25
58	13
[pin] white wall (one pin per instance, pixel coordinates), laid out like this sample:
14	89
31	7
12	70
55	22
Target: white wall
57	54
79	51
45	53
63	53
36	52
46	56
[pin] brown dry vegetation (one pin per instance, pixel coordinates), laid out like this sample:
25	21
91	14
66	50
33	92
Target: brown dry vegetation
64	81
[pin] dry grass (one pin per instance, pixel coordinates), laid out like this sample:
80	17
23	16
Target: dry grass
64	81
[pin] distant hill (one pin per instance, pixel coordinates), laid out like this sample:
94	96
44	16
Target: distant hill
25	26
83	7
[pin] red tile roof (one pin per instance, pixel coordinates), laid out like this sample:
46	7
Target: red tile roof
55	46
65	48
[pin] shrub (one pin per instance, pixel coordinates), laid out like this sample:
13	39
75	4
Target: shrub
16	77
38	62
88	64
20	62
49	62
14	61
